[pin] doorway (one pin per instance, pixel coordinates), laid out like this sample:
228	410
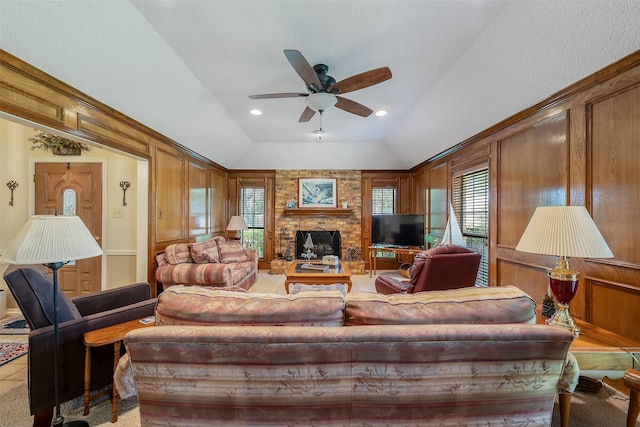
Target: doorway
73	189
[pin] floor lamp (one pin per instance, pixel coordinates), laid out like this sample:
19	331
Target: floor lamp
53	240
563	231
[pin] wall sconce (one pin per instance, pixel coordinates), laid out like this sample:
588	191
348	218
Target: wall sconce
12	186
124	185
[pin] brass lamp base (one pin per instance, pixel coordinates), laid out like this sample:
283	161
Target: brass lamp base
562	318
563	283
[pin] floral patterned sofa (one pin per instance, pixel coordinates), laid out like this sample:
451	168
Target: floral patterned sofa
215	262
460	357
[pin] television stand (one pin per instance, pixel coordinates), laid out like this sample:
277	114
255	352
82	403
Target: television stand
402	250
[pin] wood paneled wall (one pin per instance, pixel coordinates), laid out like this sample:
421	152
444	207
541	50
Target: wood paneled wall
579	147
30	94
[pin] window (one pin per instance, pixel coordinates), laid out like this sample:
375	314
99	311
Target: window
252	210
471	205
383	201
198	210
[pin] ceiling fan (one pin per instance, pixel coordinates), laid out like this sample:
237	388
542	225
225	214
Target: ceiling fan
322	89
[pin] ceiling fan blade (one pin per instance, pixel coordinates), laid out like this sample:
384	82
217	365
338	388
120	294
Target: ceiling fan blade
304	70
306	115
353	107
362	80
278	95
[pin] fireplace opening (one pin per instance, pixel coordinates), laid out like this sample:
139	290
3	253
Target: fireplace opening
314	244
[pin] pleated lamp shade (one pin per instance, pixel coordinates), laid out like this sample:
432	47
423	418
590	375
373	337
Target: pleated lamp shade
563	231
51	238
236	223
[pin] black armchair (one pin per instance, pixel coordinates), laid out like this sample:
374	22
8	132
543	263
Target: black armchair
32	287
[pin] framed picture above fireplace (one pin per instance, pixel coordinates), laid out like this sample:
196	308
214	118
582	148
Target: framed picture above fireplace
317	193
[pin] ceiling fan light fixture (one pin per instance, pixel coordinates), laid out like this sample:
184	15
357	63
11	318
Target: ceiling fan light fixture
381	113
318	134
321	101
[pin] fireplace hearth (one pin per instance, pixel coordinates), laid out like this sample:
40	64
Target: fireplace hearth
314	244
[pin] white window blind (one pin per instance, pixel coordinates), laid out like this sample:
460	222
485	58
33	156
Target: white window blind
252	210
471	206
383	201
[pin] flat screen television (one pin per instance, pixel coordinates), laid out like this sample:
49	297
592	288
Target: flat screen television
397	230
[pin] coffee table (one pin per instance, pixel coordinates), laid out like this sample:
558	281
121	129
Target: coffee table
334	274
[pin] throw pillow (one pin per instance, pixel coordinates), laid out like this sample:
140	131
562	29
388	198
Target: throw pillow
205	252
232	251
178	253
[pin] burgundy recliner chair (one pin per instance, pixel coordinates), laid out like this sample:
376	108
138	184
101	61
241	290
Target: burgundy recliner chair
440	268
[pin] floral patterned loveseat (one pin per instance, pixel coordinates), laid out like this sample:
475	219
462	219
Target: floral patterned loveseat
460	357
215	262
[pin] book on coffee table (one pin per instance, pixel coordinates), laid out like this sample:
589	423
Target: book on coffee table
315	267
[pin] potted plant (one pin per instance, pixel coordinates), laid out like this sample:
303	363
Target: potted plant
57	144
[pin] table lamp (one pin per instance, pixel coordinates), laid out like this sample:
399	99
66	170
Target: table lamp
237	224
563	231
54	241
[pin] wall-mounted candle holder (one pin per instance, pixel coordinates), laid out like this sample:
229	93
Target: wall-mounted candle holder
124	185
12	186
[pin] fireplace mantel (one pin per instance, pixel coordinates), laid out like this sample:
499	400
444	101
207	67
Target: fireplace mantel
318	211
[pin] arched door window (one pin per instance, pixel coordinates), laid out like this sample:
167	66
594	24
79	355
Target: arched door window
68	202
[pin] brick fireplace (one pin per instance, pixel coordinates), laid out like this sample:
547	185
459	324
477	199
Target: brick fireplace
349	184
316	243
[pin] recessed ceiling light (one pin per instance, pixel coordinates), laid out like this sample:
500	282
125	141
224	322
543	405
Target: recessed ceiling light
256	112
381	113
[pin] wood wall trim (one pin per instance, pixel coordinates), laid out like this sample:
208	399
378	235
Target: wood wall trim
30	81
34	96
577	147
588	82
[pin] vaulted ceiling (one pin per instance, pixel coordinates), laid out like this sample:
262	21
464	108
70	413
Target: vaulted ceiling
186	68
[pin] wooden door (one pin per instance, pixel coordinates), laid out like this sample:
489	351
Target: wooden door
73	189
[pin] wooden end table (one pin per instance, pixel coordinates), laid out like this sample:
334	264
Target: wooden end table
600	353
339	274
373	255
99	337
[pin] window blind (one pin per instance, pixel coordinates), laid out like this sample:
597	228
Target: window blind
252	210
470	200
383	201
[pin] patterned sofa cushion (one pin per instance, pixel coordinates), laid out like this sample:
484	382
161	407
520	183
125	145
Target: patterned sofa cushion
205	252
211	274
503	304
178	253
197	305
232	252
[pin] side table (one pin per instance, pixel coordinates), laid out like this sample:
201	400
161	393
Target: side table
99	337
600	353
